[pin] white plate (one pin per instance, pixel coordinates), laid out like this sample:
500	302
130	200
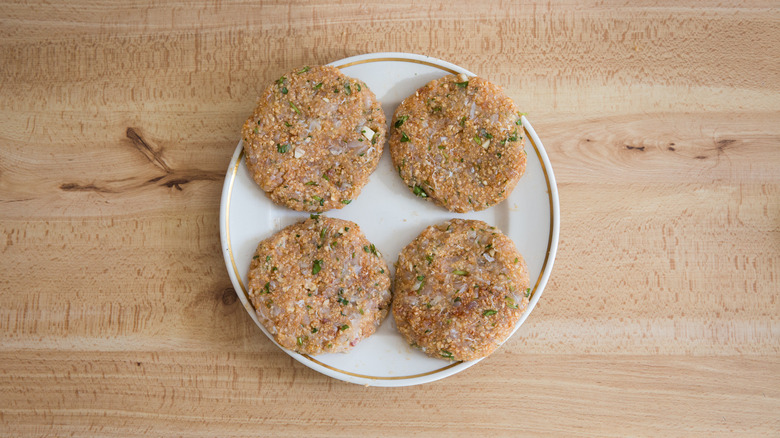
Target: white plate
391	216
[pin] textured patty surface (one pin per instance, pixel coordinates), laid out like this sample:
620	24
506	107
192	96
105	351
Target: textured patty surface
319	286
459	142
460	288
314	139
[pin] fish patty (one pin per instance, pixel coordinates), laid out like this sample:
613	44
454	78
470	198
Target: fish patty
314	139
458	141
460	288
319	286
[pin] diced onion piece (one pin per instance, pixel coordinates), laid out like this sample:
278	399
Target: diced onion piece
368	133
299	152
486	144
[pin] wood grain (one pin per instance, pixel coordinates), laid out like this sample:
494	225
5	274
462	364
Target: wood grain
662	123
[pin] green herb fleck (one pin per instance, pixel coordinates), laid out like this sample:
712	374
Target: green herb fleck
463	84
255	257
404	137
281	80
282	148
318	86
400	121
284	90
314	329
528	292
463	121
342	301
348	89
267	288
318	199
325	177
371	249
513	137
517	259
457	299
344	327
287	124
417	190
382	271
299	340
314	216
268	258
489	312
346	201
294	108
316	267
429	257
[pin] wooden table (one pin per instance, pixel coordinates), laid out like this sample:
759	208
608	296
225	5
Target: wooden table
662	123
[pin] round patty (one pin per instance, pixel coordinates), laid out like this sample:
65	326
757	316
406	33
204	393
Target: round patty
314	139
458	141
319	286
460	288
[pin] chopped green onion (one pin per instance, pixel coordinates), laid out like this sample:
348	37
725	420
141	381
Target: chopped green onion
400	121
295	108
404	138
255	257
371	249
316	267
310	183
282	148
429	257
314	329
303	70
489	312
463	84
318	86
457	299
281	80
460	272
299	340
446	354
342	301
284	90
267	288
417	190
346	201
528	292
344	327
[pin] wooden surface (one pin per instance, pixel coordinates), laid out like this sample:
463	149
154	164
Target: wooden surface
662	123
